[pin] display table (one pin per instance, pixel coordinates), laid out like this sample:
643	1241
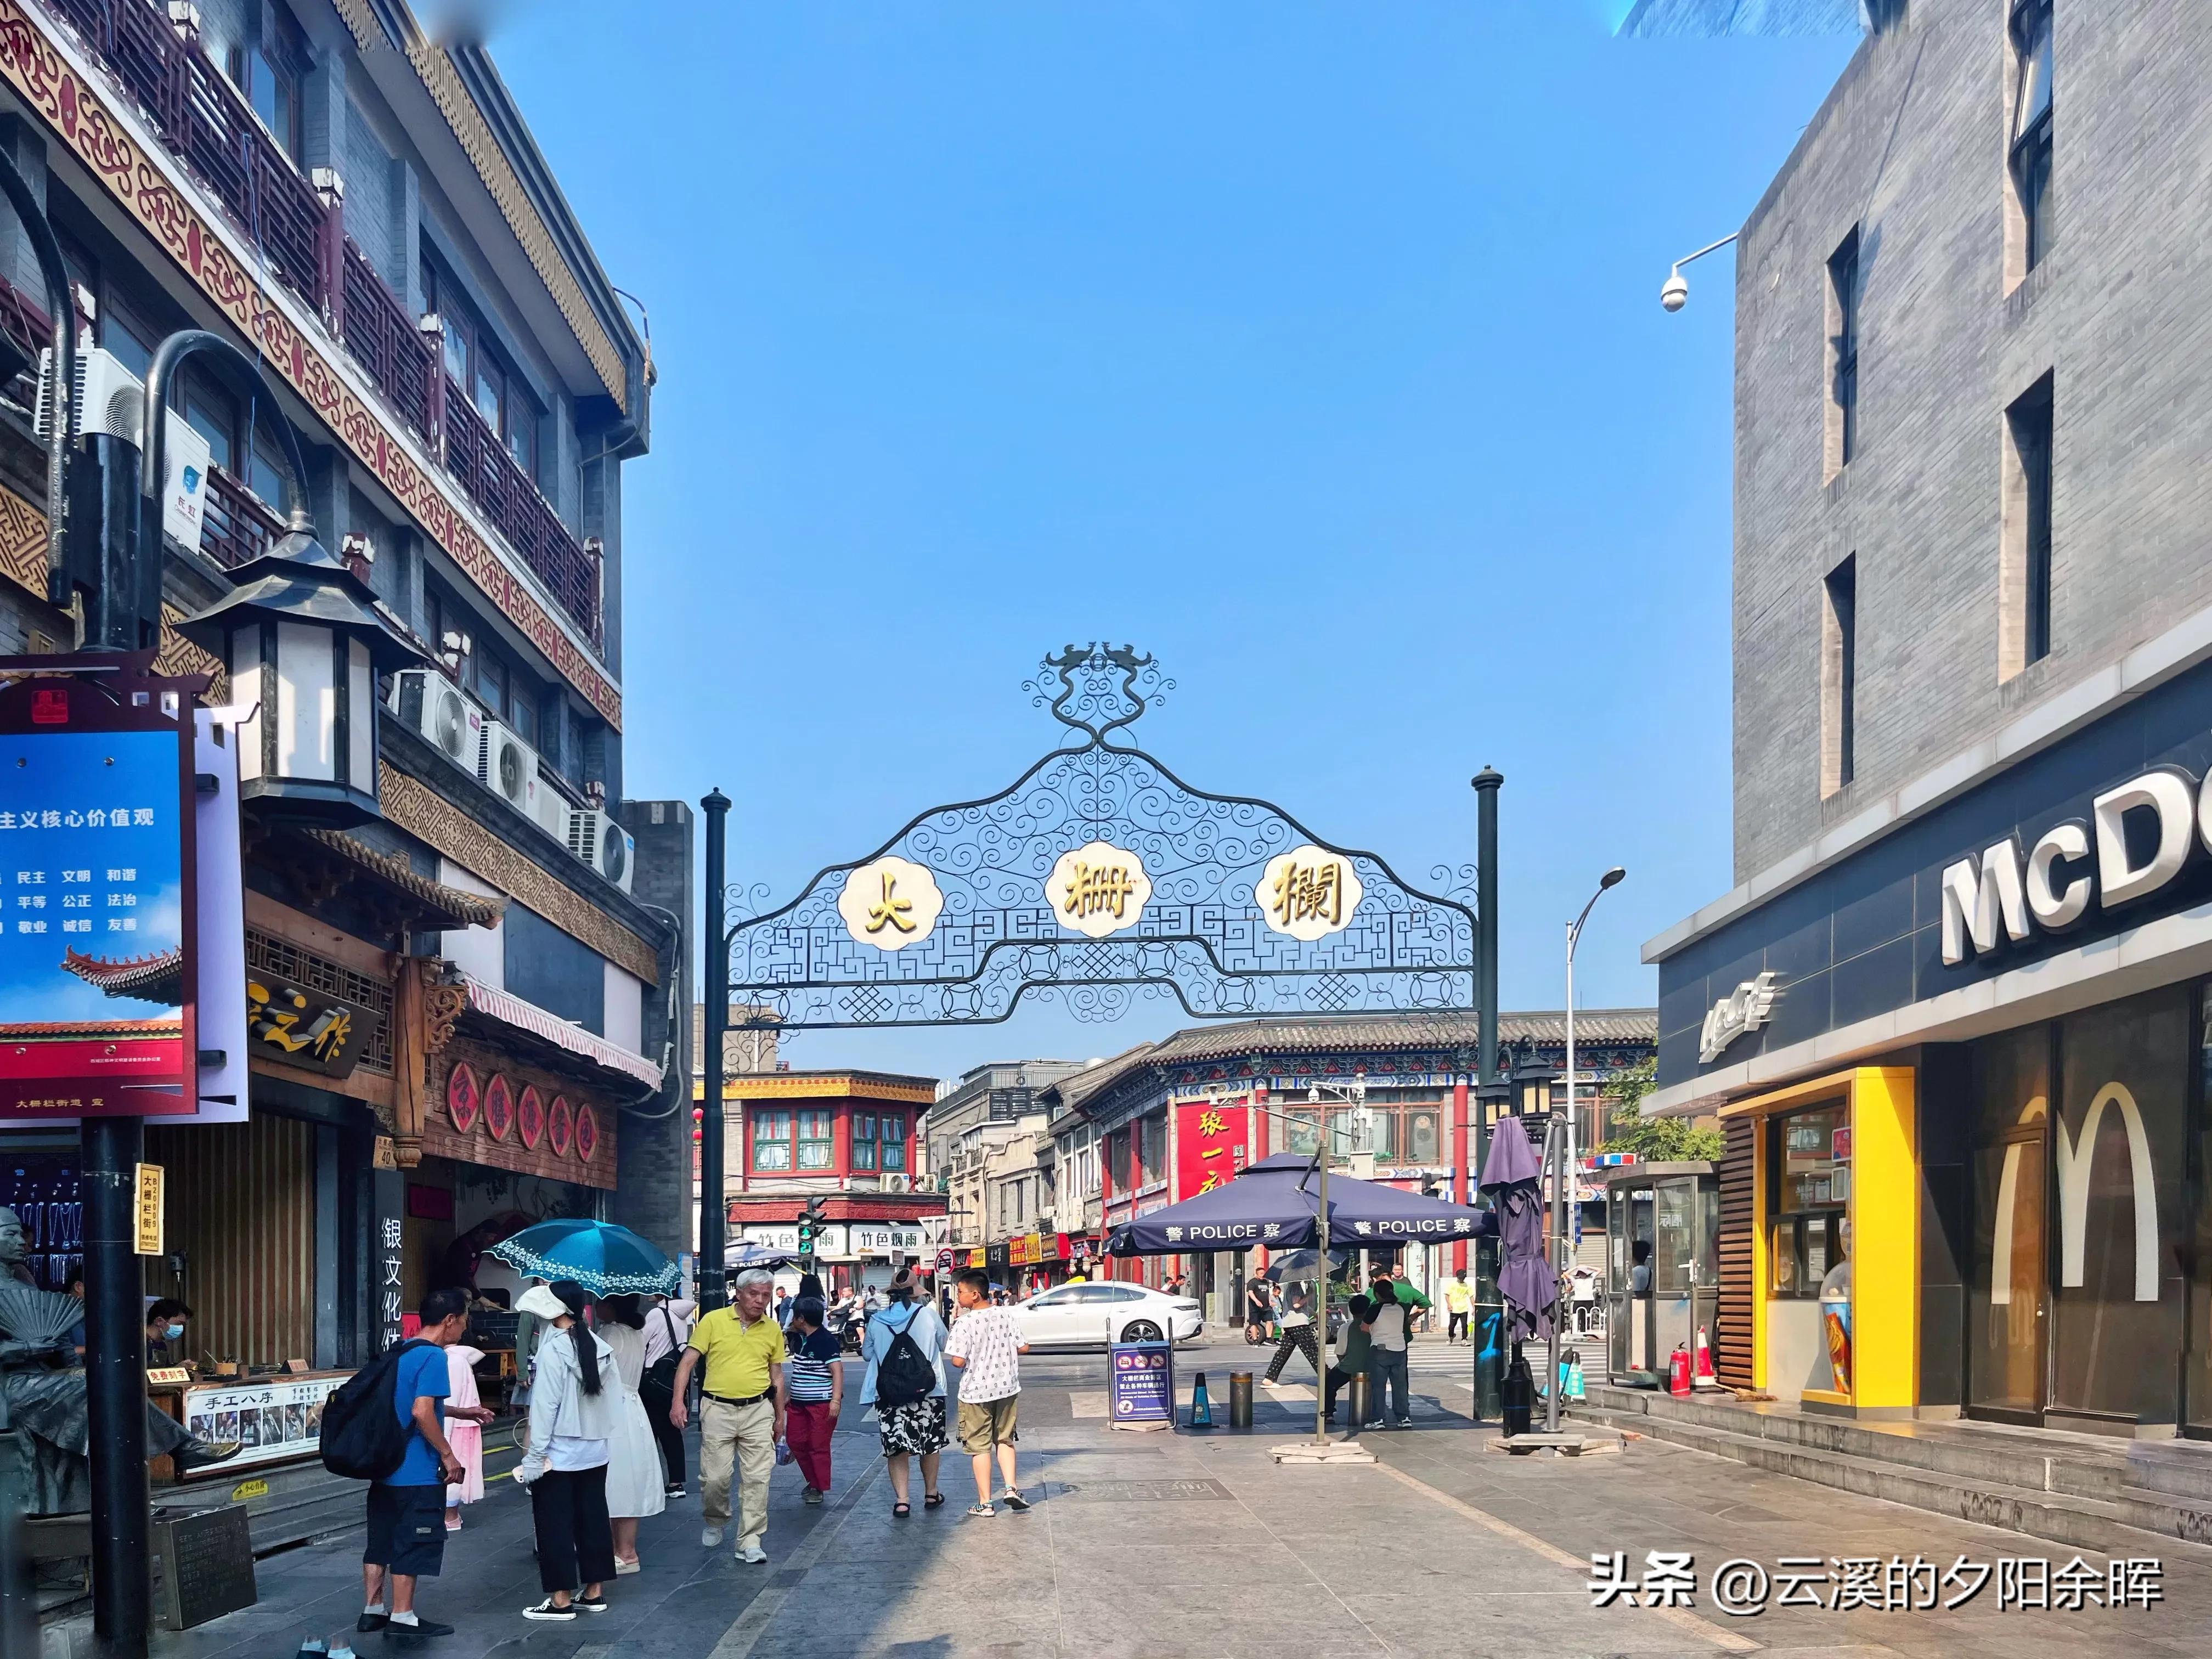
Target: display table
276	1419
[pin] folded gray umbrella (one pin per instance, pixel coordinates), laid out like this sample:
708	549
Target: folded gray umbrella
1526	1282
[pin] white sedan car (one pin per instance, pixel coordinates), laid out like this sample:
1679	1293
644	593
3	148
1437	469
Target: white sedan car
1070	1315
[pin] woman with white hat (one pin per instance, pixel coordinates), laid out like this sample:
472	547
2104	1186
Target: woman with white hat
572	1417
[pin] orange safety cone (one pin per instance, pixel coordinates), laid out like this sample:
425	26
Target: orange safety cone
1678	1372
1704	1377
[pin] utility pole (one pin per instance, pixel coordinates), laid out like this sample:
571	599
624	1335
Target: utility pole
715	985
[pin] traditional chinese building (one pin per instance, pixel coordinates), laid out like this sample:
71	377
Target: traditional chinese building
845	1137
1165	1121
458	1009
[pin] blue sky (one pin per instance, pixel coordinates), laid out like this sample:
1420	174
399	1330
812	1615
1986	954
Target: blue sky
1313	348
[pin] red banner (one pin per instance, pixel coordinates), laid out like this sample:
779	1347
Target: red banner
1211	1148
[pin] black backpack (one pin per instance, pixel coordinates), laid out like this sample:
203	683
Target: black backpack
363	1438
904	1375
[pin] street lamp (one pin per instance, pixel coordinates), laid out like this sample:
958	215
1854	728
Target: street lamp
1565	1175
1675	293
1530	1088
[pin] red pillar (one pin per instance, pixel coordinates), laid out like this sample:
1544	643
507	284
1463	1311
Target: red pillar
1460	1136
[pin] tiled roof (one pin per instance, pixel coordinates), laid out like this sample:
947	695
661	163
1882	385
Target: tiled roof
159	977
438	903
1352	1032
1349	1033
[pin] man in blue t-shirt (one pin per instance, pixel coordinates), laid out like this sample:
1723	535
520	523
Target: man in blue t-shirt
407	1510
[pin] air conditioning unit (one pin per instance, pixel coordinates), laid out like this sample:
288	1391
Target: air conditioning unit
898	1183
109	401
509	767
596	838
552	811
428	703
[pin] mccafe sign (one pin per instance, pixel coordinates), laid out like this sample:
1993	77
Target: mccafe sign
2007	892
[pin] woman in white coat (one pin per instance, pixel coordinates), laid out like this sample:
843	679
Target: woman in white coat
636	1482
571	1419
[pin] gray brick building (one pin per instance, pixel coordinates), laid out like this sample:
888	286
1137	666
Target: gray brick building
1953	1011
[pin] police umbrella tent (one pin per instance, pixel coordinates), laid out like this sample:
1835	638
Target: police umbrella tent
1274	1205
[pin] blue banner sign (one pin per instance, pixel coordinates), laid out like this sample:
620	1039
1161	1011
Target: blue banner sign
1143	1383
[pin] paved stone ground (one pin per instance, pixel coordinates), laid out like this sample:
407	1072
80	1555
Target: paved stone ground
1161	1545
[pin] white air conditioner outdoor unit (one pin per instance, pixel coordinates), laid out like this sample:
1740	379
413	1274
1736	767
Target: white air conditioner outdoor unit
596	838
553	809
428	701
109	401
897	1183
509	767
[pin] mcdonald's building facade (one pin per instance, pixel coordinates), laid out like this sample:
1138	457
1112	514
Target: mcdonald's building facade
1962	1066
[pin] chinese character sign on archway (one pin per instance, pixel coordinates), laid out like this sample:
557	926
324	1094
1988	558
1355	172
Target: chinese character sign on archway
1210	1145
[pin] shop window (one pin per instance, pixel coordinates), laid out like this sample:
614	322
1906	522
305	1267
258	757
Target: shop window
864	1140
269	68
814	1139
1302	1134
1421	1137
1809	1155
1151	1148
894	1143
772	1140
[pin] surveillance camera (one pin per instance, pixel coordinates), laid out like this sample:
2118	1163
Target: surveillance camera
1676	293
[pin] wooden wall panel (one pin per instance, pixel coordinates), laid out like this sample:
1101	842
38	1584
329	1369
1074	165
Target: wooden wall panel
242	1212
1732	1337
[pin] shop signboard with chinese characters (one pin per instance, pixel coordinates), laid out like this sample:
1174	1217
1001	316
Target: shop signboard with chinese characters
881	1238
1212	1143
275	1421
97	967
303	1027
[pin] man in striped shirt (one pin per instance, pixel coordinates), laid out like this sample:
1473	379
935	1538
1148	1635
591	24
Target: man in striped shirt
814	1387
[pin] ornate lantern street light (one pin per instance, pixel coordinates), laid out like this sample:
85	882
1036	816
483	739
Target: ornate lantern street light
300	633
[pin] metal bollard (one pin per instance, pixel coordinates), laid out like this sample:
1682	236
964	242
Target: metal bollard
1355	1390
1240	1400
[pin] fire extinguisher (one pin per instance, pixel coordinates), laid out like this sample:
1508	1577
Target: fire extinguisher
1678	1372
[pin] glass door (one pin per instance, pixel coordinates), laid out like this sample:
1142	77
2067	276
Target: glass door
2008	1291
2197	1379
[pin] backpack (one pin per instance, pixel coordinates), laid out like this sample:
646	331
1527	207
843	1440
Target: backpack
363	1438
904	1375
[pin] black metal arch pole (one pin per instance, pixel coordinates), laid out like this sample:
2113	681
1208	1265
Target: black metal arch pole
715	980
18	1599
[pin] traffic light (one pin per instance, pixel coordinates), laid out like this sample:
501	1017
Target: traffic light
810	1226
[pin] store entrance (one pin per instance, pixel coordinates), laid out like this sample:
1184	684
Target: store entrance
2008	1297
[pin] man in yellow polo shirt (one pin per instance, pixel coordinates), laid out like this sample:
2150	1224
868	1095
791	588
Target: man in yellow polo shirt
743	1412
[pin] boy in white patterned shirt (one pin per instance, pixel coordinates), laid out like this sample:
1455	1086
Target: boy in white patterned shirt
984	1344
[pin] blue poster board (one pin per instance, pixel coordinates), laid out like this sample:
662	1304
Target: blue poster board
1141	1384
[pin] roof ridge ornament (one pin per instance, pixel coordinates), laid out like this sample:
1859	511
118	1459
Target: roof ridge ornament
1088	698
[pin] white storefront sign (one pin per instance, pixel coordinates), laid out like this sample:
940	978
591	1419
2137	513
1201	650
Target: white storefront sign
1741	1010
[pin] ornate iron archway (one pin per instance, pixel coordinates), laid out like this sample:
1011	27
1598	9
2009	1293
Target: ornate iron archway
1100	879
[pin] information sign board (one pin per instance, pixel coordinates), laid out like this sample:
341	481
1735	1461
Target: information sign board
97	914
1141	1391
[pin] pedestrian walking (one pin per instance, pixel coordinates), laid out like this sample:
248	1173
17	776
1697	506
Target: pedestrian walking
985	1346
741	1416
814	1384
1386	1322
783	1299
463	1433
406	1528
1459	1302
904	1348
1259	1311
1348	1359
667	1326
637	1487
573	1400
1297	1338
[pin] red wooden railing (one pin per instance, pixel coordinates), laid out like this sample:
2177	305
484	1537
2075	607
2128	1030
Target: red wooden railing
385	341
237	525
497	483
300	236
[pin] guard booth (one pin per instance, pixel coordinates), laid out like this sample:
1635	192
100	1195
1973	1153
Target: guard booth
1662	1271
